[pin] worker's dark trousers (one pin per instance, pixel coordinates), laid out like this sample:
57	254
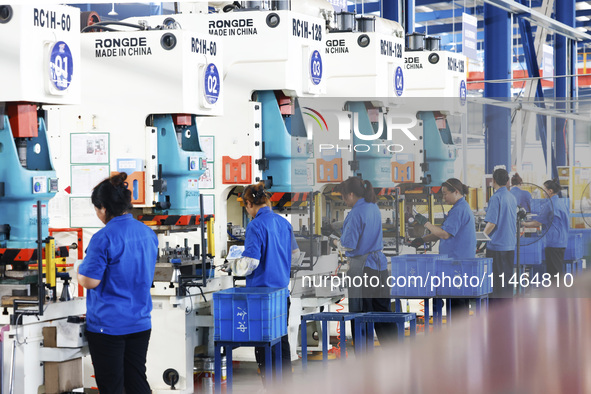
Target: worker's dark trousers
375	299
259	353
119	362
555	262
503	264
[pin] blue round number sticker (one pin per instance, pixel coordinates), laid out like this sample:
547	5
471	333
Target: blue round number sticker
399	81
212	84
463	92
61	66
316	67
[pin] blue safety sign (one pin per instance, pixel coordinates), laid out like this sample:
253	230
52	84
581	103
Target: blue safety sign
61	66
212	83
399	81
316	67
463	92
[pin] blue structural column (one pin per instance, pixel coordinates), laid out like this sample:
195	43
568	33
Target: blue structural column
409	16
563	52
391	10
497	65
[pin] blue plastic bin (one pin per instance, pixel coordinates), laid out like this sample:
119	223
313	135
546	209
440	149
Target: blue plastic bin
469	286
574	247
250	314
417	270
531	251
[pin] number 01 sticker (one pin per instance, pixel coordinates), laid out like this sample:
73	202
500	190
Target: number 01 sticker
61	66
212	84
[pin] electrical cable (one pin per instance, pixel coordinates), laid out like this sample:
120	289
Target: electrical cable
117	23
337	347
92	27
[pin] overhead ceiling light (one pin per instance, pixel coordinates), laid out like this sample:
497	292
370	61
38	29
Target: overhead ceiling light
582	29
582	5
113	12
423	8
582	18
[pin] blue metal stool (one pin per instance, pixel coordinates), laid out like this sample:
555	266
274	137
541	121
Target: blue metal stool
364	326
437	311
324	317
274	344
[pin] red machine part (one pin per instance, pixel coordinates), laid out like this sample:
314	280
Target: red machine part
23	120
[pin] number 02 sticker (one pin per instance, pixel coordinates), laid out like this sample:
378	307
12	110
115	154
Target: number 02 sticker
212	83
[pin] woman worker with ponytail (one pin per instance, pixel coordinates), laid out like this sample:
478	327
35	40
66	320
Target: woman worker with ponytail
362	241
269	248
554	218
457	233
118	271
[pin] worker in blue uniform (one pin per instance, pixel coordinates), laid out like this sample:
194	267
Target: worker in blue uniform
501	227
361	239
118	271
269	248
554	219
523	197
457	234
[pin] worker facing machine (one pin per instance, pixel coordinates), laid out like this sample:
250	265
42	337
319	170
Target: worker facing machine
501	226
118	271
149	129
362	242
457	234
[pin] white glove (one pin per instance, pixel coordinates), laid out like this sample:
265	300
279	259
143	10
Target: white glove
77	265
244	266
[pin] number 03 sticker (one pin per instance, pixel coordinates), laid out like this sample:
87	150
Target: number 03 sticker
316	67
61	66
212	84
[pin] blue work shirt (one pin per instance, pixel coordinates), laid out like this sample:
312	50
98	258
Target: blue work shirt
502	212
269	238
460	225
122	255
362	232
554	218
523	198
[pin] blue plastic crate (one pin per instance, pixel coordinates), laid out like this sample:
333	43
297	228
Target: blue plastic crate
531	251
467	286
421	267
250	314
585	240
574	248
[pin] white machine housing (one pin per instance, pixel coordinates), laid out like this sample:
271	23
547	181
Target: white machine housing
130	76
29	31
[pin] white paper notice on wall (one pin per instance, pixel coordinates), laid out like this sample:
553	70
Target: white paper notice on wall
87	148
85	178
